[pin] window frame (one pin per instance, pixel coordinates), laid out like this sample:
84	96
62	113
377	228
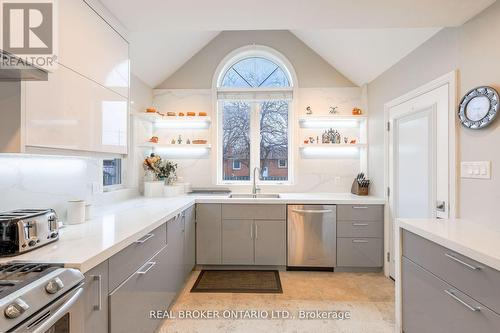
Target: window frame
114	187
252	95
282	167
238	168
254	146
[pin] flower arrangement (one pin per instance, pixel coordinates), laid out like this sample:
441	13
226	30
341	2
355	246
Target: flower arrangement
160	169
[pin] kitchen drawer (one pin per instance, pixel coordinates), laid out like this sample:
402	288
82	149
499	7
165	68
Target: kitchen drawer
254	212
476	280
150	288
432	305
360	213
360	252
360	229
127	261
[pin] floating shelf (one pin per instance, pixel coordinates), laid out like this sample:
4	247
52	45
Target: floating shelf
194	122
332	145
150	145
332	121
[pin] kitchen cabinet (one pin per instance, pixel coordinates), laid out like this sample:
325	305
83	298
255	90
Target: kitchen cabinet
189	240
95	299
270	242
105	55
128	260
208	234
238	242
432	305
360	236
71	112
145	290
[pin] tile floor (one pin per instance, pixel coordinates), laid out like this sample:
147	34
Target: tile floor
369	297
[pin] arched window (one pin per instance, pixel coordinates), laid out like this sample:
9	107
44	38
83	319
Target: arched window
254	89
255	72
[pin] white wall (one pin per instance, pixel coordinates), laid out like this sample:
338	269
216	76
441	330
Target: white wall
470	50
311	175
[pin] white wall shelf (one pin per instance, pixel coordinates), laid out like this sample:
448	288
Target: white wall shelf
150	145
332	121
332	145
193	122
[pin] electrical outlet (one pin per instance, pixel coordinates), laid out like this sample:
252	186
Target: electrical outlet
337	180
476	170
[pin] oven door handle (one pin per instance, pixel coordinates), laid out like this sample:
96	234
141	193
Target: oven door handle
61	312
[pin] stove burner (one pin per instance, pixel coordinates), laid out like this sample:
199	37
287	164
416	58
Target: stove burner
16	275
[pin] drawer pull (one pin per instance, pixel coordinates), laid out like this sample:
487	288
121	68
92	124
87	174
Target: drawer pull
360	224
452	257
456	298
144	239
147	266
359	207
359	241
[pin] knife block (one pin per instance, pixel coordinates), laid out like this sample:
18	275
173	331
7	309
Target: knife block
358	190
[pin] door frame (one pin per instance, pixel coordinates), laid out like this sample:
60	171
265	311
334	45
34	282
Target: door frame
451	80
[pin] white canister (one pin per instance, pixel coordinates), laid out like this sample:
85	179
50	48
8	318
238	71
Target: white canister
153	189
76	212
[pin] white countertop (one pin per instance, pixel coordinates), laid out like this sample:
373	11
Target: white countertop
474	240
86	245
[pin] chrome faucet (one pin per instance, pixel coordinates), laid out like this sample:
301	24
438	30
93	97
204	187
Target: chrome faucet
255	189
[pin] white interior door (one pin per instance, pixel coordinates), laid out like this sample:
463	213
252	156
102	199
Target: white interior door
418	159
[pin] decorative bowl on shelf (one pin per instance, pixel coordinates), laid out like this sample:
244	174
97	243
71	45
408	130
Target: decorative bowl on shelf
199	142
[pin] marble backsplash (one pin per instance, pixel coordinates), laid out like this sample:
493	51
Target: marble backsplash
32	181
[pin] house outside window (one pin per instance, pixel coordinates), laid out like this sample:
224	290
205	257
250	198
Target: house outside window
112	173
254	94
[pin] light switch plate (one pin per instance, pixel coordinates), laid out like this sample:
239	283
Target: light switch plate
476	170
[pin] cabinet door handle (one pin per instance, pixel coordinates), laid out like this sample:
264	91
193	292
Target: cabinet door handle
452	257
302	211
451	293
251	231
359	207
146	267
144	239
256	231
360	224
98	278
359	241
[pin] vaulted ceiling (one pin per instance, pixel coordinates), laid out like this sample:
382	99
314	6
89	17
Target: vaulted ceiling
360	38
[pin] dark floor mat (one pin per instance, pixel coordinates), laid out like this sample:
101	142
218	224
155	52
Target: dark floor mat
229	281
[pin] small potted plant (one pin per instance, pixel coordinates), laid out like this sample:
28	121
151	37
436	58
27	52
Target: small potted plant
153	185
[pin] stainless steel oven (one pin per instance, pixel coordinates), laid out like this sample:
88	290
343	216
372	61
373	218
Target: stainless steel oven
40	298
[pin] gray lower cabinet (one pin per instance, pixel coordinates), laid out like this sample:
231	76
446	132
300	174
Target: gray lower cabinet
360	252
208	234
145	290
270	242
237	242
189	240
360	236
95	299
432	305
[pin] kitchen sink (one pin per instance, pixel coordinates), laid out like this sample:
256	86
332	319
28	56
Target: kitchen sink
254	196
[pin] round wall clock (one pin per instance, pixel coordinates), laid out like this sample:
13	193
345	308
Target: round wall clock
479	107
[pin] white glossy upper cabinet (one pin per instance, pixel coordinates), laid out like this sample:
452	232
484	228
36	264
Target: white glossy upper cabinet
88	45
71	112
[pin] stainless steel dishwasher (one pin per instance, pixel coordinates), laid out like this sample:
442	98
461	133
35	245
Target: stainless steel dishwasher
312	236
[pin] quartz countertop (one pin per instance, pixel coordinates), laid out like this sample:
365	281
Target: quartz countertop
471	239
116	226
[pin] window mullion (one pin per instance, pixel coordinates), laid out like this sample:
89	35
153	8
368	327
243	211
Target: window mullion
255	138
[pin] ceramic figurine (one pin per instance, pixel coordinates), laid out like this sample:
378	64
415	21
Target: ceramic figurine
333	109
188	142
309	110
173	141
346	139
179	140
317	139
357	112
